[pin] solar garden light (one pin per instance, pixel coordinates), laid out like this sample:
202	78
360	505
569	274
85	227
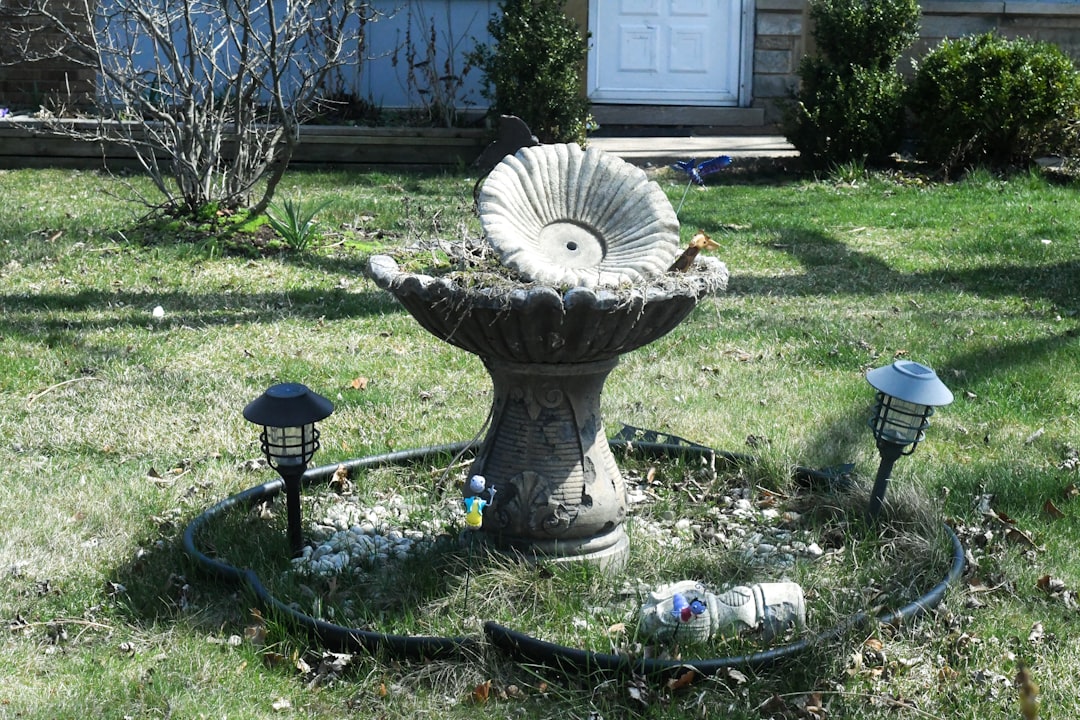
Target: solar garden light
907	395
288	413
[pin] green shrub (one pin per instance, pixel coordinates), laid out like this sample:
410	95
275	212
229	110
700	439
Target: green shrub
865	33
850	104
988	100
845	115
535	69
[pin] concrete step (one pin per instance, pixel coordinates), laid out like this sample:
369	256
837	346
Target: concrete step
660	115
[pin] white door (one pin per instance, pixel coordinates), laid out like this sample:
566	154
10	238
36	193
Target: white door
667	52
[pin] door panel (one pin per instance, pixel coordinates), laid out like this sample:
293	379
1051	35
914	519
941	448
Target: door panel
665	51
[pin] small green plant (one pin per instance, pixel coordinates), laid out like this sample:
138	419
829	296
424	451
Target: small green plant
534	70
850	104
295	222
851	172
990	100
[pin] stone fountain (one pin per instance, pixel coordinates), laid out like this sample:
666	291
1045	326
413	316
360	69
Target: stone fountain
584	241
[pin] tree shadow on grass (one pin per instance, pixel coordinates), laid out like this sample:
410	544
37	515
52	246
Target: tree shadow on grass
58	317
832	268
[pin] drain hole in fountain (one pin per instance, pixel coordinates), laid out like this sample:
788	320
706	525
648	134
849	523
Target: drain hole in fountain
570	244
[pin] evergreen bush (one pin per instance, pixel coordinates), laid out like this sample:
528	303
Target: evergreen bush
850	104
988	100
535	69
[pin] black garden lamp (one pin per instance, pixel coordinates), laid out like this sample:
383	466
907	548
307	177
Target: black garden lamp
907	395
288	413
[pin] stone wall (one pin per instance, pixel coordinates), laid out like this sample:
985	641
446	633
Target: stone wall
1056	22
780	41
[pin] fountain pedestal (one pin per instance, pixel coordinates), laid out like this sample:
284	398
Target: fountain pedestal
559	492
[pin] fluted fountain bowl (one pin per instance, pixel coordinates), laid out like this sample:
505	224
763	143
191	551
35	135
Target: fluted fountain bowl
564	216
542	324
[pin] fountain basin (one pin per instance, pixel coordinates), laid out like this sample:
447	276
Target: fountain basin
585	244
541	324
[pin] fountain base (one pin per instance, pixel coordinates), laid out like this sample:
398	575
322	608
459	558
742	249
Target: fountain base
608	552
558	490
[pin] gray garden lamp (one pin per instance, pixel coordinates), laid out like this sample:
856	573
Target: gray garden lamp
907	395
288	413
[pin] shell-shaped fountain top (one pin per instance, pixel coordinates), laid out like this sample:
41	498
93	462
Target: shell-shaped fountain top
565	217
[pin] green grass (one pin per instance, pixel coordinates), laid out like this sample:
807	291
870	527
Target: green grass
830	278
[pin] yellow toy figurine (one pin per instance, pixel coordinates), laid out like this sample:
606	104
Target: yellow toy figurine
474	512
474	504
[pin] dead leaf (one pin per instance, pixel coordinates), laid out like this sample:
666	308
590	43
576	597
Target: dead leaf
1034	436
1050	585
737	676
481	692
682	681
359	383
1021	538
1052	510
617	628
1037	633
1003	517
281	704
1071	491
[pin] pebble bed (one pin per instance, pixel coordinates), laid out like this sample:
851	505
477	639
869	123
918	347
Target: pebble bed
354	537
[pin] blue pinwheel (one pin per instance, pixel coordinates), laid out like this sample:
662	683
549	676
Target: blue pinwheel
699	171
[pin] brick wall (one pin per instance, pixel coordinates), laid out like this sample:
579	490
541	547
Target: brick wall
53	82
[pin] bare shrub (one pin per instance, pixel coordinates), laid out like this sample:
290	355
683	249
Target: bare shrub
208	94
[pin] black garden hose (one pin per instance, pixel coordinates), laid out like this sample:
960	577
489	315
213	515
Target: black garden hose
519	645
524	647
335	637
